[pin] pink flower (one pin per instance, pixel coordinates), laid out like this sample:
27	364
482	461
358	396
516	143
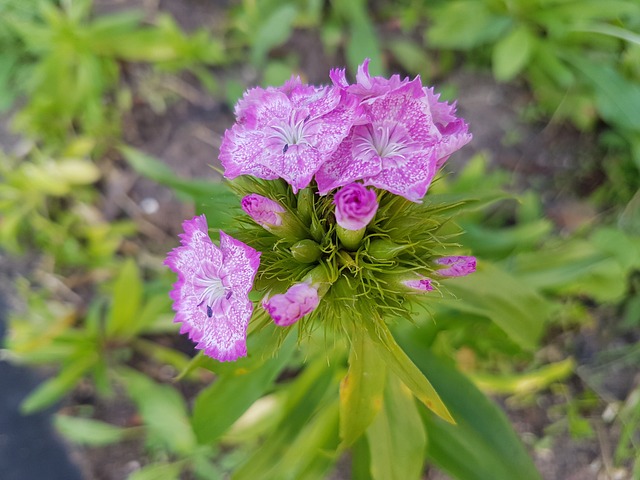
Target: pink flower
406	137
287	308
211	295
286	132
366	87
457	266
263	210
355	206
421	284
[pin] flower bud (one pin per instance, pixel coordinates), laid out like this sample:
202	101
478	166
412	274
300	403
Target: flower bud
306	251
355	206
384	249
420	284
263	210
287	308
273	217
457	266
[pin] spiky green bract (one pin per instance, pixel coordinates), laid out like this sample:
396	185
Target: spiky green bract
362	285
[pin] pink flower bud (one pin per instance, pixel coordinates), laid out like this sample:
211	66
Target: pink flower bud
422	284
457	266
355	206
287	308
263	210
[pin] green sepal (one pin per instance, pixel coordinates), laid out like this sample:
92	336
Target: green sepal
306	251
350	239
305	205
384	249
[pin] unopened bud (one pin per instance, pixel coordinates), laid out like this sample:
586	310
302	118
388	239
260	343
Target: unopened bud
419	284
273	217
457	266
289	307
306	251
355	206
383	249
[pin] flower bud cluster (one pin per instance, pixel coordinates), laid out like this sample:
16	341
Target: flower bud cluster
332	182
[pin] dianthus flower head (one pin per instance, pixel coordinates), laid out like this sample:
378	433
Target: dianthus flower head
210	297
406	137
286	132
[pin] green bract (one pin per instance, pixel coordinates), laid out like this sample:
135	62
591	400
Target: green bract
361	288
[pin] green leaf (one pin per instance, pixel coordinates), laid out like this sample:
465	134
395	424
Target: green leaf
482	445
525	382
212	198
577	266
610	30
158	171
512	53
127	299
629	220
363	41
581	12
546	59
361	460
158	471
503	242
412	57
465	24
491	292
397	438
163	411
152	312
312	389
55	388
218	406
361	390
311	458
617	99
86	431
401	365
275	30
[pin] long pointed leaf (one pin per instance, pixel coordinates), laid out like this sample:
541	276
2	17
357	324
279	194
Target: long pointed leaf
482	445
361	390
401	365
397	438
218	406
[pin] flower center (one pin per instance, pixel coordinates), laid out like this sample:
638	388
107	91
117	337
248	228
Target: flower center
389	141
290	133
213	293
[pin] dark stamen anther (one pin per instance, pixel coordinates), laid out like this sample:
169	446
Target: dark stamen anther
209	311
306	118
286	147
229	293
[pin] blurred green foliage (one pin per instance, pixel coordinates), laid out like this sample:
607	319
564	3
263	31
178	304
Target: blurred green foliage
67	64
95	306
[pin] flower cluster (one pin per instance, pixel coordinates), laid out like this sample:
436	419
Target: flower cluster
332	180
